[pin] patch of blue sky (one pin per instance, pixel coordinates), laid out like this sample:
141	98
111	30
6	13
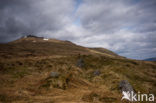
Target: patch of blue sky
78	3
77	20
136	1
128	28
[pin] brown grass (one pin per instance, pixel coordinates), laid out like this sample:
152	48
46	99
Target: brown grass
26	79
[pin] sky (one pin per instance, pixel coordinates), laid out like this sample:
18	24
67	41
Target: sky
127	27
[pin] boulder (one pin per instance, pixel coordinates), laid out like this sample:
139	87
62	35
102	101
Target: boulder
124	85
54	74
96	72
80	63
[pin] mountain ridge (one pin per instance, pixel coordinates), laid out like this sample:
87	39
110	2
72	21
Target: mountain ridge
43	46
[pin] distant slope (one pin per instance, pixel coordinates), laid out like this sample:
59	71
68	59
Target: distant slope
104	51
38	46
151	59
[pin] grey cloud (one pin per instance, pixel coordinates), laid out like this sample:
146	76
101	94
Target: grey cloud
109	17
24	17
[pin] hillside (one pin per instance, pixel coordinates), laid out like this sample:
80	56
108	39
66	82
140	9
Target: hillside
104	51
38	70
37	46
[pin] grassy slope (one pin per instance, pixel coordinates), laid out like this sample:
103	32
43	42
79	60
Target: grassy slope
25	67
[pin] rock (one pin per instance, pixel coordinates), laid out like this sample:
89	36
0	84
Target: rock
54	74
80	63
97	73
124	85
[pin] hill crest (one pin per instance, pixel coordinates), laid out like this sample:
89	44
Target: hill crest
39	46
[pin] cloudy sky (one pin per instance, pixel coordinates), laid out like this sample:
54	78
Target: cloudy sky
127	27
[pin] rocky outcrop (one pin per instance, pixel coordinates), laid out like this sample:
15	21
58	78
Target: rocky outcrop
124	85
80	63
97	73
54	74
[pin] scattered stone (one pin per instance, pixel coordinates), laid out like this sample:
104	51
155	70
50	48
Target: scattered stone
124	85
54	74
80	63
97	73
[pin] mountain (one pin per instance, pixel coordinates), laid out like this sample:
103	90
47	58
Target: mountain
39	46
151	59
40	70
